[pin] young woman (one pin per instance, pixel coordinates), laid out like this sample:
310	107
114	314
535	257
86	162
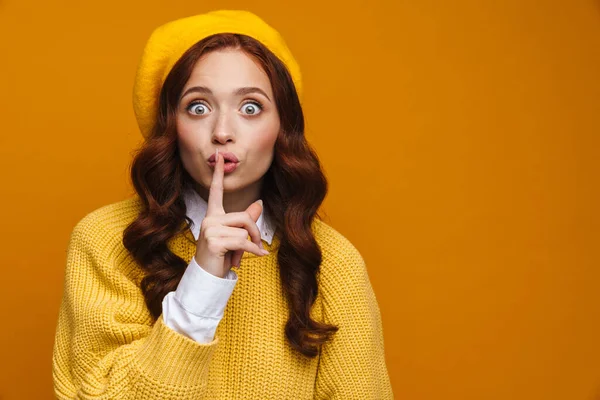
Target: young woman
218	280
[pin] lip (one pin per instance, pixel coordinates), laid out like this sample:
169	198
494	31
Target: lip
227	167
227	156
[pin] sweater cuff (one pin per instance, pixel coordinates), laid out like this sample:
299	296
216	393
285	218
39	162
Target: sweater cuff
171	358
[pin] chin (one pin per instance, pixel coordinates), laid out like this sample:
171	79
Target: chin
230	183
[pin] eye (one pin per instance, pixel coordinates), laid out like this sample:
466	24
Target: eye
197	108
253	107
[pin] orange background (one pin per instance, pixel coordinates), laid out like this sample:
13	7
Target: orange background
460	140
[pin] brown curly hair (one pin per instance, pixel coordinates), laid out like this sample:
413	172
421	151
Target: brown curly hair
293	189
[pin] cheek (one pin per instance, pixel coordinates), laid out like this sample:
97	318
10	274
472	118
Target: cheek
263	150
266	141
260	153
192	162
186	145
188	142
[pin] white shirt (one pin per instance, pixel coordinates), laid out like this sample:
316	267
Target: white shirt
196	307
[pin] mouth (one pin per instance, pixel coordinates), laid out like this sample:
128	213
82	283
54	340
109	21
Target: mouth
228	166
227	156
213	163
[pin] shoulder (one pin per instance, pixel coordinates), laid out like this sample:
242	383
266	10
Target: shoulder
109	217
104	226
342	274
336	249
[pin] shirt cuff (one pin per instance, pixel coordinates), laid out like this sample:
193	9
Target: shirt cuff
202	293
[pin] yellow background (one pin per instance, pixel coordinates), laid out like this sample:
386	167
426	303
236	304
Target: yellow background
461	143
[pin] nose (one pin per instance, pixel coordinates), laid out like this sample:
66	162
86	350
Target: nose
223	132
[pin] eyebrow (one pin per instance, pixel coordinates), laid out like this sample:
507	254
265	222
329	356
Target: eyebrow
238	92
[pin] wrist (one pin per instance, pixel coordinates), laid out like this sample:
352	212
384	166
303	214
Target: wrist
201	264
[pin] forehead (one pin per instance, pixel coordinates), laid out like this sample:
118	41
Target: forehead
227	70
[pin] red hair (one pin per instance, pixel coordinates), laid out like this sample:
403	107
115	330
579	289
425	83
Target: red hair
293	189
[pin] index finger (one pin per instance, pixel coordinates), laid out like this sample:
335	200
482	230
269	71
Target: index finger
215	195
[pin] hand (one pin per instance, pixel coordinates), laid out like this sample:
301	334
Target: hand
224	236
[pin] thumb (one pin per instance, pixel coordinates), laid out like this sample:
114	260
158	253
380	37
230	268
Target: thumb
255	209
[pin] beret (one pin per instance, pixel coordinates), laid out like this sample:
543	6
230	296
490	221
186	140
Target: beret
168	42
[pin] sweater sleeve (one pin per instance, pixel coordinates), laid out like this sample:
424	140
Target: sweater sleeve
352	364
196	307
106	343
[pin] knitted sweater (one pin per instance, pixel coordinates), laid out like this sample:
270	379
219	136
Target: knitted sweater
107	345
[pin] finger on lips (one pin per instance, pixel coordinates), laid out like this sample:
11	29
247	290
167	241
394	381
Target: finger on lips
235	227
215	194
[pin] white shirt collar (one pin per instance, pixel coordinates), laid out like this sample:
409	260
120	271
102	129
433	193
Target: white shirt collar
196	211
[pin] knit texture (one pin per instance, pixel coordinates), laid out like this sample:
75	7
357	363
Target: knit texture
108	347
170	41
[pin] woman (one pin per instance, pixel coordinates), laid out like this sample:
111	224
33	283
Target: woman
218	281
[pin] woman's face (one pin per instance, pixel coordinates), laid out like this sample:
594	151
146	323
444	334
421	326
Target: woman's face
227	104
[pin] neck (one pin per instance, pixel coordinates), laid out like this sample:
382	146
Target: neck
236	201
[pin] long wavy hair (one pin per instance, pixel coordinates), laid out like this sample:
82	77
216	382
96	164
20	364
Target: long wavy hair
293	188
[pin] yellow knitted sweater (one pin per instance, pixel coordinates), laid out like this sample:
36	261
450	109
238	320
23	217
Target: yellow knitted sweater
107	345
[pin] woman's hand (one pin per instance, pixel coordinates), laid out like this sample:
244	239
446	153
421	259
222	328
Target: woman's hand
224	236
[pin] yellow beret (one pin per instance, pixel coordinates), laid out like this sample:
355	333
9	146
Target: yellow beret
168	42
